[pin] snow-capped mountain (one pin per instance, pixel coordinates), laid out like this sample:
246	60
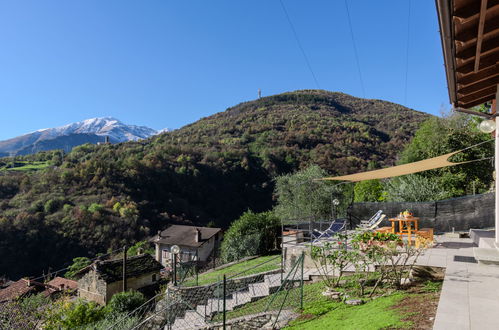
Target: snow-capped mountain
105	126
68	136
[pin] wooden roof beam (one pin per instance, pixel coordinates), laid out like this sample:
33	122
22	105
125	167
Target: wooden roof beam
481	23
478	86
473	78
477	101
486	61
487	92
489	45
469	34
472	10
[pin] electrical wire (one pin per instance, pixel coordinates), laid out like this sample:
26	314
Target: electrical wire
407	51
66	268
355	50
299	44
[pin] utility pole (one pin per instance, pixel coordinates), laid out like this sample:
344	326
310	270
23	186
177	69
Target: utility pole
124	269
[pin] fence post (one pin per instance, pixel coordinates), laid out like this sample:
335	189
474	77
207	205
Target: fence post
301	279
197	271
224	298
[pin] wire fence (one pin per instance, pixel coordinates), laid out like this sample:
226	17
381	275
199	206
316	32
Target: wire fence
235	299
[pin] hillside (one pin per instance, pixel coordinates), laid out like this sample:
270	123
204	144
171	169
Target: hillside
211	171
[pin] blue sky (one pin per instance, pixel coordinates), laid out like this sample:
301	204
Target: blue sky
166	63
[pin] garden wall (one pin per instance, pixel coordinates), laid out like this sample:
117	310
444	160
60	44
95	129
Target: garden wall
462	213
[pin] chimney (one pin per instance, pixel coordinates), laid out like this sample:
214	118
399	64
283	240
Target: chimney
197	238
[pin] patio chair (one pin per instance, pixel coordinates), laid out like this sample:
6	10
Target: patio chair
335	227
372	223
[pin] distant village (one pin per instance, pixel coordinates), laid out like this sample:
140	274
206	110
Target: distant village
100	280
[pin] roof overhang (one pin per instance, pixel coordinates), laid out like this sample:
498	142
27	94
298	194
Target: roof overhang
469	31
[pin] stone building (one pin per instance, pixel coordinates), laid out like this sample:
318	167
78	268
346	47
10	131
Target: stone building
101	280
196	243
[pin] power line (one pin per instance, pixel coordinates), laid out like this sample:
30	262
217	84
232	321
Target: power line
355	50
299	44
63	269
407	51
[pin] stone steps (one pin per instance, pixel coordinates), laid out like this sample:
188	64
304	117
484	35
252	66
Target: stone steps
194	319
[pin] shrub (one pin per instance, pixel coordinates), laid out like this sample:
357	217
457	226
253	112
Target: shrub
251	234
71	315
95	207
125	302
51	206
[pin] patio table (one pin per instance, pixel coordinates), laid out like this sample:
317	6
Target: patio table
405	226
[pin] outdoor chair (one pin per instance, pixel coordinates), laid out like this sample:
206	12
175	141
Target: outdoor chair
335	227
372	223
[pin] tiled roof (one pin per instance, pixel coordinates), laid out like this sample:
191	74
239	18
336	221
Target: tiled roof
112	270
66	283
19	289
185	235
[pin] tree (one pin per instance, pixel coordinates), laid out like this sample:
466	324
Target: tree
302	194
78	264
415	188
438	136
369	191
251	234
144	246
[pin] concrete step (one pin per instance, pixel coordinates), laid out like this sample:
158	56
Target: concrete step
486	256
191	320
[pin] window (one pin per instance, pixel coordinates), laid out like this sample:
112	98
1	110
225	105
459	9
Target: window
154	277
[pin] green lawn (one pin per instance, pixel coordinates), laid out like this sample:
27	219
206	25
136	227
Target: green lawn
321	313
376	314
249	267
24	166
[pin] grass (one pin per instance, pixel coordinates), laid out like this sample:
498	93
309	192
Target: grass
245	268
376	314
25	166
321	313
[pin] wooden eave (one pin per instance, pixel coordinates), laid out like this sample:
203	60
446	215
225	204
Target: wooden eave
470	40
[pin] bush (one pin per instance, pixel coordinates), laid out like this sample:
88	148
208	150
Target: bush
51	206
95	207
71	315
125	302
251	234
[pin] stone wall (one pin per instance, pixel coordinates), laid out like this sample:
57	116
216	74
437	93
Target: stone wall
463	213
133	283
92	288
255	321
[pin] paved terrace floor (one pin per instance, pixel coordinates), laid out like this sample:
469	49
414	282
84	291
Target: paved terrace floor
470	292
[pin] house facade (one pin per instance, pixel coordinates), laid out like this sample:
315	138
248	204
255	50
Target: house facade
102	279
195	243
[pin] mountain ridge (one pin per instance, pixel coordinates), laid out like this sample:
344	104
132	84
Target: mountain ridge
66	137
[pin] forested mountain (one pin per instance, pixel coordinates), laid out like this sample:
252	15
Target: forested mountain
211	171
